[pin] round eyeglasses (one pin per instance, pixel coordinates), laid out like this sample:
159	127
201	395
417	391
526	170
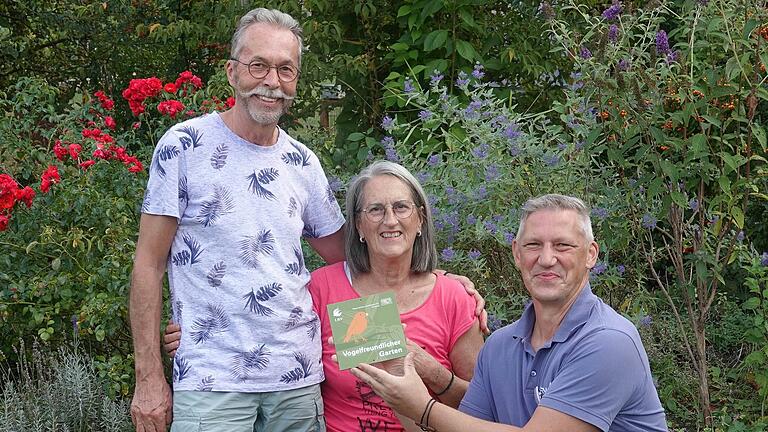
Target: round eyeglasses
402	210
258	69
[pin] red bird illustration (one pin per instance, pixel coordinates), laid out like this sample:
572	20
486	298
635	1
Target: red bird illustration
357	327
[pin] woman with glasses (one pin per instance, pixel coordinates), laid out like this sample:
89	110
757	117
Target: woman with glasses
390	247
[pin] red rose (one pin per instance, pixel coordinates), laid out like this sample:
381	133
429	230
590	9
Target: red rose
59	151
26	196
3	222
170	88
170	107
136	167
8	188
110	122
230	102
85	164
74	150
51	175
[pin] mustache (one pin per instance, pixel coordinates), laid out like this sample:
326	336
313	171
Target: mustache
275	94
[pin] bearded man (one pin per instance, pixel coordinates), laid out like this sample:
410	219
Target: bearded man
228	199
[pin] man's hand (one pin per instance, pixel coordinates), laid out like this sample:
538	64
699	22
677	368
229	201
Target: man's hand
480	312
171	338
152	405
405	394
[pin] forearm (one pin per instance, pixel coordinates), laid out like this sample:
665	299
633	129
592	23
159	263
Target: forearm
450	390
145	308
446	419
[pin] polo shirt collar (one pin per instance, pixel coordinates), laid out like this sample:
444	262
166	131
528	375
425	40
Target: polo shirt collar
577	315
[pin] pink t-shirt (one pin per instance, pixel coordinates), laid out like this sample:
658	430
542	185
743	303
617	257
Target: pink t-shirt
350	405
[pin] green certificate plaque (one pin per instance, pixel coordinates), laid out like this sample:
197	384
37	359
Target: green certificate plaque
367	330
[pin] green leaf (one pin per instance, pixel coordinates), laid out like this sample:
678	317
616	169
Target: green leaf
392	75
467	17
404	10
751	303
55	264
738	217
435	39
466	50
400	46
355	136
725	184
30	246
759	133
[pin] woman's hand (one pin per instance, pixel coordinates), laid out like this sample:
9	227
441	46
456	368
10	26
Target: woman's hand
171	338
480	311
405	394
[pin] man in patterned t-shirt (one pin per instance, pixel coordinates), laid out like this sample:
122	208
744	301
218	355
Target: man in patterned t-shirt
228	199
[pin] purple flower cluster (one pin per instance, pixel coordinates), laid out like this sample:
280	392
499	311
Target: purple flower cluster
512	131
492	172
481	151
481	193
387	123
646	321
494	323
433	160
649	221
435	78
620	269
623	65
612	12
509	237
423	176
448	254
408	86
462	80
474	254
599	268
552	160
585	53
424	115
662	42
764	259
491	227
600	213
673	56
613	33
389	149
740	236
477	72
471	220
693	204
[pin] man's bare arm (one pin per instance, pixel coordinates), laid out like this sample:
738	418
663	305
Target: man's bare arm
331	247
151	405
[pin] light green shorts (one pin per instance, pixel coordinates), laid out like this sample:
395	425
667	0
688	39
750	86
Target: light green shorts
299	410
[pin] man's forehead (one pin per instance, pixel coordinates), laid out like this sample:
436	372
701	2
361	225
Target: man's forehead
280	40
559	223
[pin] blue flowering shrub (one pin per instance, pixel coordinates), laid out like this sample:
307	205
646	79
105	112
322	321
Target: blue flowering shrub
661	129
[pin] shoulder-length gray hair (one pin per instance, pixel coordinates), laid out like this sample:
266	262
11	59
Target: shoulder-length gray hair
266	16
424	258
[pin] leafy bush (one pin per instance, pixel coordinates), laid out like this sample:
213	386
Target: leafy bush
59	391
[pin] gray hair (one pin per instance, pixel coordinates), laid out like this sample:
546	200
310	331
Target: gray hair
266	16
557	202
424	257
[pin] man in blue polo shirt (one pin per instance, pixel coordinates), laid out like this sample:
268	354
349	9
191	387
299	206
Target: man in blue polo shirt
570	363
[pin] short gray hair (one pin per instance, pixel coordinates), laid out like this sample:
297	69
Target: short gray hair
266	16
557	202
424	257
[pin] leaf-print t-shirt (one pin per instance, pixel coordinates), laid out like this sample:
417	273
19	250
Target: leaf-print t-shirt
236	270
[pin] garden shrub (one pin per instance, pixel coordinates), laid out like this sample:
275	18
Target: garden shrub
59	391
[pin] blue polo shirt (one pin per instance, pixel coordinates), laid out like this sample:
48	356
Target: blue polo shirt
595	369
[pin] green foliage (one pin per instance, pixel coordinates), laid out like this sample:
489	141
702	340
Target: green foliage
59	391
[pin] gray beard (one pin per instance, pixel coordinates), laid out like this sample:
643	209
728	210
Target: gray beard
265	117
